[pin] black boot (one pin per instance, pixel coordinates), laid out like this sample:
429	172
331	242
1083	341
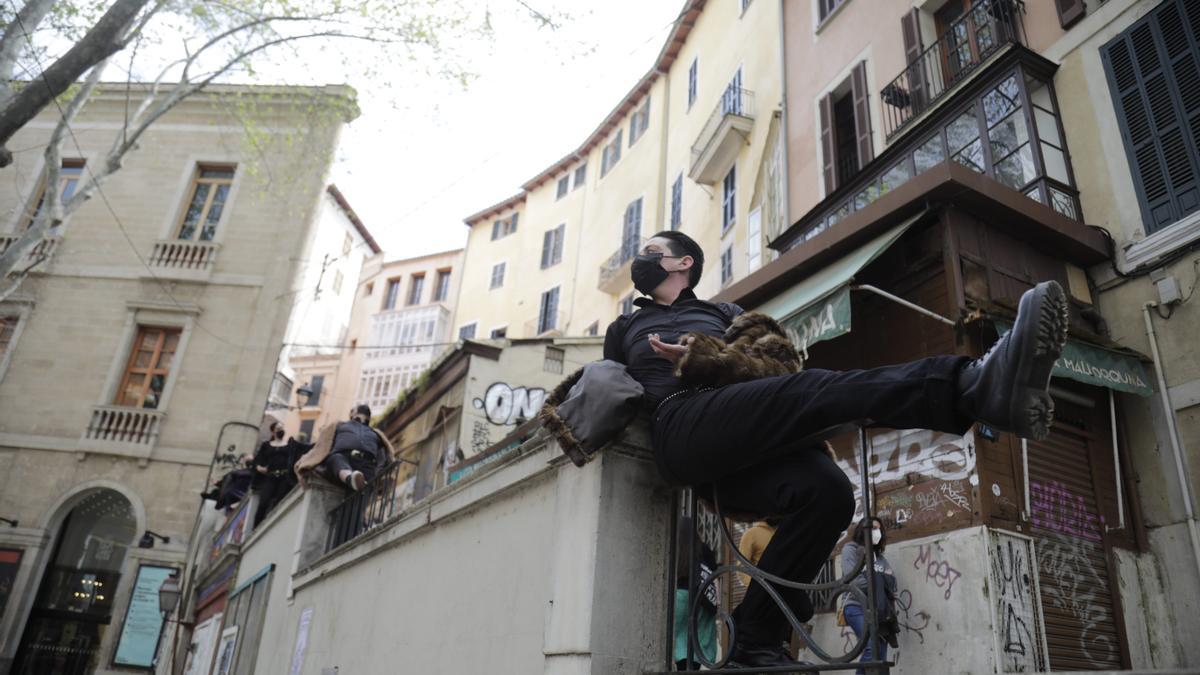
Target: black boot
751	655
1007	388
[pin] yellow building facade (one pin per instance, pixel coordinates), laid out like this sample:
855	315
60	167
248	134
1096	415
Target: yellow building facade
693	146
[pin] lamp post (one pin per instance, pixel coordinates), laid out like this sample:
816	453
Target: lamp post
168	600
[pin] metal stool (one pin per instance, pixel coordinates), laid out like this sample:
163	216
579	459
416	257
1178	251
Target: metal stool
687	498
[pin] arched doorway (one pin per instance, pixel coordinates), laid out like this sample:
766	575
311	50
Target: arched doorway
74	603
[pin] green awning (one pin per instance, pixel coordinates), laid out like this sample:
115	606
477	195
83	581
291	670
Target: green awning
1095	365
818	308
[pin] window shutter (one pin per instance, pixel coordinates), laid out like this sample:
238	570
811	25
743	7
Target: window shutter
559	233
496	230
910	29
547	246
1069	11
1154	75
862	114
514	224
828	149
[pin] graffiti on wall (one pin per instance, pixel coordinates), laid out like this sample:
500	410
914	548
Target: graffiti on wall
1073	583
911	620
1017	628
1054	507
938	569
480	438
505	405
932	455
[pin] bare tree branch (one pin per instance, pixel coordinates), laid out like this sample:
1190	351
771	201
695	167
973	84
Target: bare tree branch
13	42
107	37
50	216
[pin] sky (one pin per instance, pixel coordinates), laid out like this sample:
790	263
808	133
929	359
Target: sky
413	168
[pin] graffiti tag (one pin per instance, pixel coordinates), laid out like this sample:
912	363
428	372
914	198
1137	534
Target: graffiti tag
937	568
504	404
1054	507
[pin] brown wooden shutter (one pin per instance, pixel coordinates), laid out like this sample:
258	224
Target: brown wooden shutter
828	147
862	114
910	29
1069	11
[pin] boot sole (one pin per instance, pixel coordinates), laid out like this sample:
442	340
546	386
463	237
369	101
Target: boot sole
1032	408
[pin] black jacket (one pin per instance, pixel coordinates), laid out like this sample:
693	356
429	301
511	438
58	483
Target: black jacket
627	338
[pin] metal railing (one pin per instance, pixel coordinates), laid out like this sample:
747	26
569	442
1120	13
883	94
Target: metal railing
184	255
552	325
118	424
736	102
771	584
366	509
980	32
618	263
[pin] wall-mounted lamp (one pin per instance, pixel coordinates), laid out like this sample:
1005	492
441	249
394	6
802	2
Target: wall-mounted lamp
305	392
10	521
147	540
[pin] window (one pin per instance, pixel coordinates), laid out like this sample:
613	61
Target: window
580	176
8	332
677	202
631	230
500	332
497	275
244	614
639	122
504	227
552	246
306	430
149	365
548	313
393	291
316	384
338	278
726	266
593	329
441	290
731	98
745	4
729	199
564	185
467	332
611	155
691	91
369	289
826	7
347	244
68	179
210	191
1152	74
754	240
627	304
555	357
415	288
846	142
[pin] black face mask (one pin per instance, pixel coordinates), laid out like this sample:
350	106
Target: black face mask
647	272
279	434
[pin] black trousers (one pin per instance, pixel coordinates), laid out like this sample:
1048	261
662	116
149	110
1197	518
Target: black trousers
271	490
337	462
741	441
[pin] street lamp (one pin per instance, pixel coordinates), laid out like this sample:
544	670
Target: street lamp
305	391
147	540
168	594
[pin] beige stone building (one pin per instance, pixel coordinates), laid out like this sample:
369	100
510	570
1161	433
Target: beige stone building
127	354
694	146
399	322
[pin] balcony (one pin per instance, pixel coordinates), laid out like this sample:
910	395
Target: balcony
122	430
408	330
726	131
542	327
985	29
37	257
614	272
184	259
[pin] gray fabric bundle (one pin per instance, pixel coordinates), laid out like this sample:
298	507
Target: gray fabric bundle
590	408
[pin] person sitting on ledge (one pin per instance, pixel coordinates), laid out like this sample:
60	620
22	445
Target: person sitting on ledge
350	451
741	438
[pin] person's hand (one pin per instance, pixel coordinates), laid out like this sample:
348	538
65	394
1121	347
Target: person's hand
260	469
669	352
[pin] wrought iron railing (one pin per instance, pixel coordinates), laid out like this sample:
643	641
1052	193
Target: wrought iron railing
366	509
980	32
734	101
617	263
695	657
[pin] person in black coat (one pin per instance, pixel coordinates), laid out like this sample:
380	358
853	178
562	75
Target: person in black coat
273	477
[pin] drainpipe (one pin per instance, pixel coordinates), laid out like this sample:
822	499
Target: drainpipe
1173	431
783	123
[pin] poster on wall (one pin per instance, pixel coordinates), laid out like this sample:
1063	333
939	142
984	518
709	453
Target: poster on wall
10	562
226	651
204	642
301	641
143	624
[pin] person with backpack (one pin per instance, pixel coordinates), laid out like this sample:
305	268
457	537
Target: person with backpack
885	586
742	438
350	452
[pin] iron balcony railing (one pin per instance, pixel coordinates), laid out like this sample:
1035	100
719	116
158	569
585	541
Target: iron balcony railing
366	509
980	32
734	101
616	267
